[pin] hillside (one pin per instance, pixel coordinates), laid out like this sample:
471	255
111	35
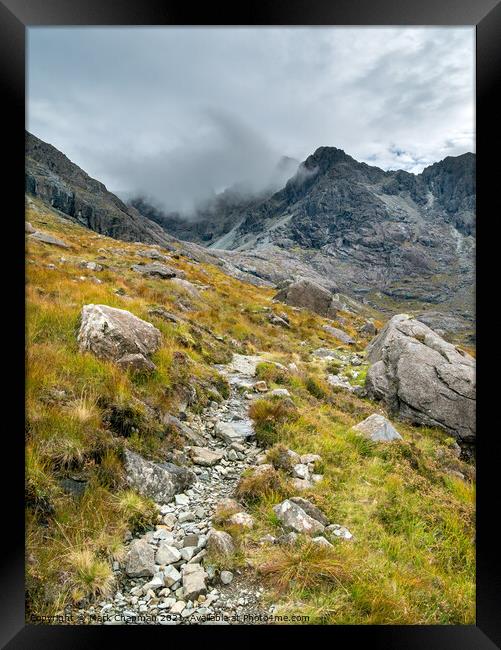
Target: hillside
241	404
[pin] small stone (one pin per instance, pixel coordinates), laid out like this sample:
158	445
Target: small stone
301	471
167	554
226	577
140	560
242	519
191	540
171	576
339	531
169	520
321	541
310	459
220	543
182	500
178	607
194	581
187	552
378	429
260	387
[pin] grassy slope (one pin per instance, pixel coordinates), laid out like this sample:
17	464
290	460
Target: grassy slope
412	557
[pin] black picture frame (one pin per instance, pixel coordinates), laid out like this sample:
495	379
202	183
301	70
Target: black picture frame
15	17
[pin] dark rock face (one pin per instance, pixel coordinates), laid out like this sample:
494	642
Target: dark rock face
51	176
422	378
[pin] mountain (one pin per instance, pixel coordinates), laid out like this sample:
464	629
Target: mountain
391	238
50	175
53	178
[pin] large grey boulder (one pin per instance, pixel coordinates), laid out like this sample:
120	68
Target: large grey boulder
234	431
422	378
117	335
309	295
204	456
160	481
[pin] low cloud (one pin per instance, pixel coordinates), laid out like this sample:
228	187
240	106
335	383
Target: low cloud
181	113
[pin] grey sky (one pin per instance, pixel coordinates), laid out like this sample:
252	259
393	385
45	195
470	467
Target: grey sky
177	113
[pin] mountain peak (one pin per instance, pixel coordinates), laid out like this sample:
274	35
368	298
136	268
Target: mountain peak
326	157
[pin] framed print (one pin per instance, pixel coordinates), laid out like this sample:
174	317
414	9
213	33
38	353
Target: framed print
249	319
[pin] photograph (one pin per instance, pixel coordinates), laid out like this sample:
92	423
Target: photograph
250	325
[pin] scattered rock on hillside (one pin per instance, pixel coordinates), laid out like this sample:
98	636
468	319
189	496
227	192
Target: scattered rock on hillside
153	255
294	517
310	509
185	285
91	266
113	334
242	520
279	392
368	328
189	434
339	531
28	228
378	429
309	295
156	270
194	581
321	541
220	543
204	456
339	382
235	431
278	320
160	312
48	239
160	481
339	334
140	559
423	378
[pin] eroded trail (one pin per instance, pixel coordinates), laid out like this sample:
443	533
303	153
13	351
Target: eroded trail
185	588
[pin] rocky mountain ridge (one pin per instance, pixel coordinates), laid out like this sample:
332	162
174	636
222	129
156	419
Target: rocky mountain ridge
394	241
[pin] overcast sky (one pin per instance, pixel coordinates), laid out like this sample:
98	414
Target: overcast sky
179	113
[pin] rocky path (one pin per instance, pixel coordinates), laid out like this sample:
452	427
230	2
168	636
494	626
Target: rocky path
172	583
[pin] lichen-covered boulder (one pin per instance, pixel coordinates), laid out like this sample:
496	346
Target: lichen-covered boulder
422	378
117	335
